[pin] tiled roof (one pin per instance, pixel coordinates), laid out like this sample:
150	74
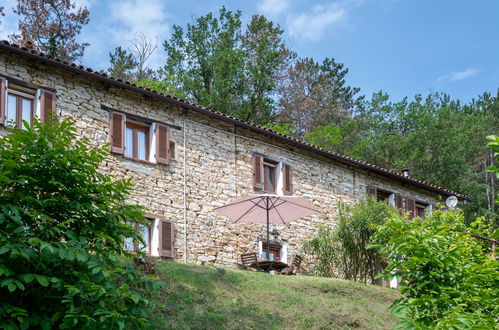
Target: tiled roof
37	55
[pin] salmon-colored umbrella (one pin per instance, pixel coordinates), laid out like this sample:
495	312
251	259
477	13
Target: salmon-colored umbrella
267	209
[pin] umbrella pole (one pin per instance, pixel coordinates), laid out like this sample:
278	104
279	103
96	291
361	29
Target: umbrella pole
268	231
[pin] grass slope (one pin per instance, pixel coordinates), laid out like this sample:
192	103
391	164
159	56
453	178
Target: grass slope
198	297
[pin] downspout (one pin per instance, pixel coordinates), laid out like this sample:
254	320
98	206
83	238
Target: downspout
185	189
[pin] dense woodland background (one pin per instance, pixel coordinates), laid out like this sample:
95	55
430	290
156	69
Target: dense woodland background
249	72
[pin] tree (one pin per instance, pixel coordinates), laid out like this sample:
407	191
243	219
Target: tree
122	64
1	13
218	65
315	94
53	25
63	225
341	251
426	135
447	276
131	64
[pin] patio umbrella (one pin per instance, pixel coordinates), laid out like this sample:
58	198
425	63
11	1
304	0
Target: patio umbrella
267	209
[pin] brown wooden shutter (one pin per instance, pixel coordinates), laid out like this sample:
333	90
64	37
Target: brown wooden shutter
372	191
2	100
399	201
410	206
47	105
257	172
117	128
287	180
162	144
166	239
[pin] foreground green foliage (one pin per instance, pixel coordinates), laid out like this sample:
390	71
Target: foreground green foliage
341	251
198	297
448	278
61	235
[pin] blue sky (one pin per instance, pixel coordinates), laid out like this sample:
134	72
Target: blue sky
399	46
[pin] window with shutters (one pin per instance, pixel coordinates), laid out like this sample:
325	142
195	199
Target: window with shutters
20	106
271	176
137	141
22	102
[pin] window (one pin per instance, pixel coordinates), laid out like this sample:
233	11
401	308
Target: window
271	176
20	106
19	102
145	231
131	136
421	209
274	251
137	141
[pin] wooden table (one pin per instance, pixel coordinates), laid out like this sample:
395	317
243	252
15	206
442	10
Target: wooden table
267	266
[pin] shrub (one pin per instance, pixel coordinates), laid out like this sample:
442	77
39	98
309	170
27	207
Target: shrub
341	251
448	278
62	228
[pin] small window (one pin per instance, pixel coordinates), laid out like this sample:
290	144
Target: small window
382	195
137	141
269	176
20	106
274	251
421	209
145	231
172	149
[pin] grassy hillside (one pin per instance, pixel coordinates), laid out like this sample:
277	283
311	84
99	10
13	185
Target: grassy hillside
198	297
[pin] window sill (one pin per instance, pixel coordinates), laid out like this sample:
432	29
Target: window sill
139	160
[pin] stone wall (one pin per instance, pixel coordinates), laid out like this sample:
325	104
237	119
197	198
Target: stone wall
213	165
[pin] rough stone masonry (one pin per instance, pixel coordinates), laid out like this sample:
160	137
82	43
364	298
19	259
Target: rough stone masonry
210	166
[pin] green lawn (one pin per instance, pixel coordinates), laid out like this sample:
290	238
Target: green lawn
198	297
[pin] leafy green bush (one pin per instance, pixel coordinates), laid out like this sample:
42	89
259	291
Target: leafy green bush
62	227
341	251
448	278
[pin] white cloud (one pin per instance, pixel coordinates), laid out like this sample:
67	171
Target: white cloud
313	25
133	16
272	7
457	76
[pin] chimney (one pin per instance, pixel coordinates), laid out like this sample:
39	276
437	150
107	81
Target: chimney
406	172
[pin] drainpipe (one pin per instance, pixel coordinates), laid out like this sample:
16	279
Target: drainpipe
185	189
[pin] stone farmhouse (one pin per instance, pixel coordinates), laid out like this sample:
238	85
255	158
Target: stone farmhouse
185	160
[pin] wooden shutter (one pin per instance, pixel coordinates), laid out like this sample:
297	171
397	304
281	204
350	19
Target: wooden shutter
372	191
47	105
166	239
410	206
117	128
162	144
287	180
2	100
257	172
399	201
